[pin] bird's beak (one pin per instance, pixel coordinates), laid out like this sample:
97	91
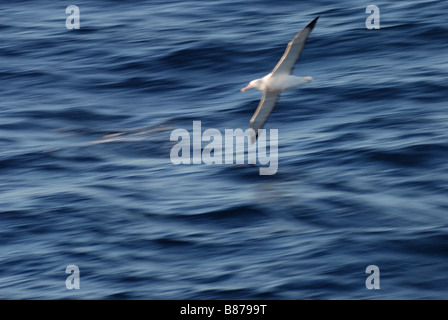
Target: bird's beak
308	79
249	86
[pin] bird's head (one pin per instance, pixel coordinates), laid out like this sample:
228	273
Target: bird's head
253	84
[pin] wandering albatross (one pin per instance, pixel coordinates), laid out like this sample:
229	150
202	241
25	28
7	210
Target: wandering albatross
280	79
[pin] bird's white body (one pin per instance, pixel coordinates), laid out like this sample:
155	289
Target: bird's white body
277	83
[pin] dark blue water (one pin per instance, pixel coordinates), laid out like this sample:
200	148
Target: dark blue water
86	176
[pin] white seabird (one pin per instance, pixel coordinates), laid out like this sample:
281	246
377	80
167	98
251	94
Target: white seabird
280	79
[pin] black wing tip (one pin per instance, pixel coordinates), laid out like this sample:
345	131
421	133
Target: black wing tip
312	23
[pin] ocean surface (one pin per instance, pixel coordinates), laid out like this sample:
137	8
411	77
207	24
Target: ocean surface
86	177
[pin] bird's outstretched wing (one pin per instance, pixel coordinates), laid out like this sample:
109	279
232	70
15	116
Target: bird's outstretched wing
261	115
293	51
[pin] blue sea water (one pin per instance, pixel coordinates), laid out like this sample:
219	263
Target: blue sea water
86	176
